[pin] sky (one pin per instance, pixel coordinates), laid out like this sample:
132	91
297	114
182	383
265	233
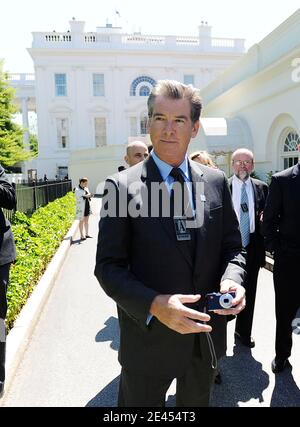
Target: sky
248	19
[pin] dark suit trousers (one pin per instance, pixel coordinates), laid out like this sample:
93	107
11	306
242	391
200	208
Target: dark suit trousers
287	301
193	388
4	275
245	318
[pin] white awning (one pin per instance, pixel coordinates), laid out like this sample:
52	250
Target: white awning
224	134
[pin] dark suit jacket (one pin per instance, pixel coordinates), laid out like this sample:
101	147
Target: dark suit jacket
7	201
282	212
140	258
260	193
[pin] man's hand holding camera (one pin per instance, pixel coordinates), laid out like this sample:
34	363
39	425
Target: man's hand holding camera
171	311
238	303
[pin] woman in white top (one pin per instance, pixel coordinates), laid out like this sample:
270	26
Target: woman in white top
83	210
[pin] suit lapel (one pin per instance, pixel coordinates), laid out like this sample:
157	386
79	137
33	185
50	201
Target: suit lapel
256	196
295	185
230	184
296	171
201	199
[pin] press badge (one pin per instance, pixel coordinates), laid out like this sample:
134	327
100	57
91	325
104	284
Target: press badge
182	233
244	207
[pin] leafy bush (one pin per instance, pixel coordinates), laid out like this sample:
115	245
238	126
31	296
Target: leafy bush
37	239
269	176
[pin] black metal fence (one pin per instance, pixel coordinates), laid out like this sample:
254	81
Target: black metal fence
31	196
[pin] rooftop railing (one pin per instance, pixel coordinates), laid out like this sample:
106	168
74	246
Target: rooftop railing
132	41
22	78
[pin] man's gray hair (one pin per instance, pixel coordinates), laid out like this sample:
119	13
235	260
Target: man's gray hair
176	90
242	151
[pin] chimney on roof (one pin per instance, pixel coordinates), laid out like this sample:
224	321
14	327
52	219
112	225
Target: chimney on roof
204	30
76	26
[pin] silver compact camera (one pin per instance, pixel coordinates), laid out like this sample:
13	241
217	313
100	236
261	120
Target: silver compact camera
218	301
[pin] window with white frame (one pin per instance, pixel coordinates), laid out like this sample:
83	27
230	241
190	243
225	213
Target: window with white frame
133	126
62	172
62	126
60	84
290	150
188	79
143	125
100	131
98	85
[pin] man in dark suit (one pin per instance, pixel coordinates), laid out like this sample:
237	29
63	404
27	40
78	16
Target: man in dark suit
163	327
7	256
249	213
281	230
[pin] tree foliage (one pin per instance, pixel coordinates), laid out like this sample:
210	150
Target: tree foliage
11	134
34	147
37	238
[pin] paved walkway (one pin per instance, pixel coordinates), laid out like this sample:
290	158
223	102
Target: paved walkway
71	359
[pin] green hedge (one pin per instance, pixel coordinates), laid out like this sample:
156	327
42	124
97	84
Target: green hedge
37	239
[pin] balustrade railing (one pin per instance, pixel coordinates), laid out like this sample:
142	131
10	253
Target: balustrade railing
135	39
21	78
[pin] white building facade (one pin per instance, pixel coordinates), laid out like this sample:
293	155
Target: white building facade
261	91
91	90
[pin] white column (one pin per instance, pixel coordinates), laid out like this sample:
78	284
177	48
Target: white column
25	122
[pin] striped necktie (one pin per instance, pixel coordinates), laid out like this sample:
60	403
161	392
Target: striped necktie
244	217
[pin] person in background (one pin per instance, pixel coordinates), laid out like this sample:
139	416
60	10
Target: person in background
136	151
249	198
281	231
83	209
7	256
203	158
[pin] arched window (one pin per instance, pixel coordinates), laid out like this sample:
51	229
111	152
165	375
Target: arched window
290	149
144	91
139	80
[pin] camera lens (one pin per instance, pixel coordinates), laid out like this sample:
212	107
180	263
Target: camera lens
226	300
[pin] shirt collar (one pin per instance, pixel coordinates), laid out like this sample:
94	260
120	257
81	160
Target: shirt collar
165	169
239	182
